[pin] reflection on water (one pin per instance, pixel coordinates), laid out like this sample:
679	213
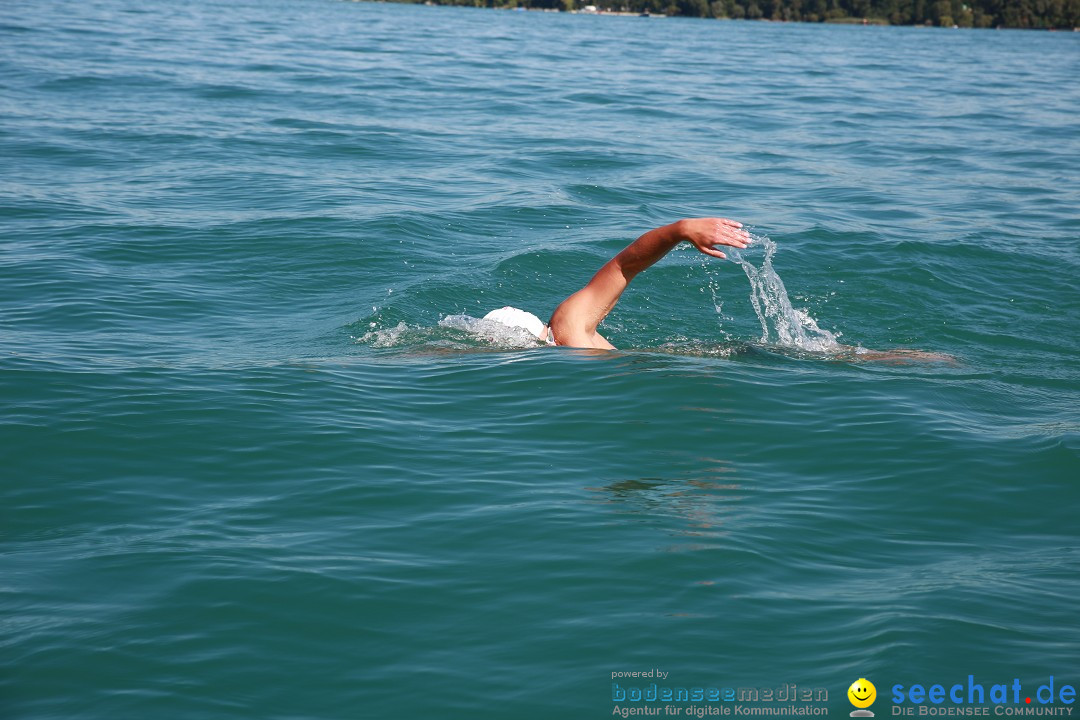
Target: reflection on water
700	502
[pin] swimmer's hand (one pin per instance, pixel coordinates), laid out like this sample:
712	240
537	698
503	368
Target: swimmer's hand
706	233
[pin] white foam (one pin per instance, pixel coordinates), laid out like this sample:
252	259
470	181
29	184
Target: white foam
492	332
386	337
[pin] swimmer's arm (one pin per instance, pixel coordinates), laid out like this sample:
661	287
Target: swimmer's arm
574	322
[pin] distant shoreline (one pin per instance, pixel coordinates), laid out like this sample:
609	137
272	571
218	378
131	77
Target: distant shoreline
946	14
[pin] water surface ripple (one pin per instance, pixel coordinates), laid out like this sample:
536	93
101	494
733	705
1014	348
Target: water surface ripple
258	460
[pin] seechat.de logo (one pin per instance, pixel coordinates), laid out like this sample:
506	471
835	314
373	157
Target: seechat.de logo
862	694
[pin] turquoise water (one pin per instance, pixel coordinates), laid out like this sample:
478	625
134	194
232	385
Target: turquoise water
260	460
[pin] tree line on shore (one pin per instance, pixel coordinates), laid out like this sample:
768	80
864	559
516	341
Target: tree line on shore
1036	14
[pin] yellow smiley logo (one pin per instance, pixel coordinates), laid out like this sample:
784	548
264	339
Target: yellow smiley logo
862	694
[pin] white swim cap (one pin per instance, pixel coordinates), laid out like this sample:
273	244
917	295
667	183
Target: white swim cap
519	318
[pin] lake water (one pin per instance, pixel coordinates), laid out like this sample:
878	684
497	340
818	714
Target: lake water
260	460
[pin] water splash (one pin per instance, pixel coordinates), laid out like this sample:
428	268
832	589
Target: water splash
781	324
453	331
491	332
718	304
400	334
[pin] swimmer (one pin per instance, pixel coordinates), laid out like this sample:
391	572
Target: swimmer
574	322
